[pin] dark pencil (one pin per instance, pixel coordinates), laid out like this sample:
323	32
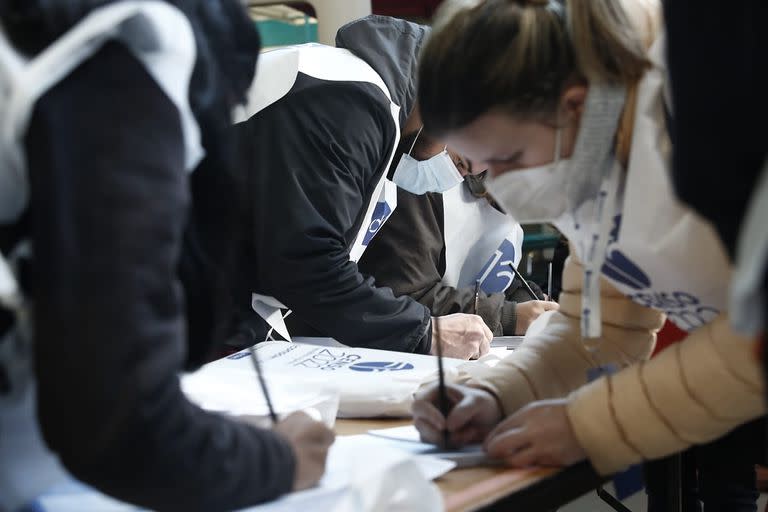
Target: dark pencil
525	283
443	395
549	282
263	384
477	294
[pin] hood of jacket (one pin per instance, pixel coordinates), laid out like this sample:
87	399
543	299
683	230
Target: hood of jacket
391	46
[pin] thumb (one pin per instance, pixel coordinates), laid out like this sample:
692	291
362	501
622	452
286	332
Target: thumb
549	306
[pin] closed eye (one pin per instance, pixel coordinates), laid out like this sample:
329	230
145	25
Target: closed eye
510	161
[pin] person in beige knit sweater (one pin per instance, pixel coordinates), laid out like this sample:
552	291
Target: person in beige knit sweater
584	80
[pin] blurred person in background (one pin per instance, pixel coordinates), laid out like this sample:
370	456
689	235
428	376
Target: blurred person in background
108	106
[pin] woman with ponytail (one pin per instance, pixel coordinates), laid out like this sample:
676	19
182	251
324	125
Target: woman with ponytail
565	102
107	106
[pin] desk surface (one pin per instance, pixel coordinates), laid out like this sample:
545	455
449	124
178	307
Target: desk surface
467	490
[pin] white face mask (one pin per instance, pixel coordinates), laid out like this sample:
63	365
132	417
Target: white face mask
535	194
436	174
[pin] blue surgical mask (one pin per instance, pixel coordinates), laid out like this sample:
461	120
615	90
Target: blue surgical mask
436	174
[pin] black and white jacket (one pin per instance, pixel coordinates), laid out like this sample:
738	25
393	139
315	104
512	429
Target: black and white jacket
309	165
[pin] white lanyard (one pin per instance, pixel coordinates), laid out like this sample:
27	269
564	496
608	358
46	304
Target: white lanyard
594	254
594	186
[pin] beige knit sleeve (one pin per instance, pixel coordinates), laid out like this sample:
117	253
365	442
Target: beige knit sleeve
692	392
553	362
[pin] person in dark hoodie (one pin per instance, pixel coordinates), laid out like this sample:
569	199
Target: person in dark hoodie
452	252
106	106
323	135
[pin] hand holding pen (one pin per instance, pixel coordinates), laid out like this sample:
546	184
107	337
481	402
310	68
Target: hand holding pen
528	311
472	414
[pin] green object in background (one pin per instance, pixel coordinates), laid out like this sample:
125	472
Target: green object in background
281	25
535	241
280	33
539	243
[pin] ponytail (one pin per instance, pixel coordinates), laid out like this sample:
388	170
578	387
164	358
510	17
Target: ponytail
608	47
518	56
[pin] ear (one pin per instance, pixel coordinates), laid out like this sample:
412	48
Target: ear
572	101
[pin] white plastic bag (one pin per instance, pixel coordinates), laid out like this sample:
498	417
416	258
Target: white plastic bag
371	383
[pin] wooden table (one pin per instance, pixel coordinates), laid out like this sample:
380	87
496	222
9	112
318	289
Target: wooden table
487	489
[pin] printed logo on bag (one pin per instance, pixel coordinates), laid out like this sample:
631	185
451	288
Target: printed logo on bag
496	276
380	215
621	269
381	366
683	309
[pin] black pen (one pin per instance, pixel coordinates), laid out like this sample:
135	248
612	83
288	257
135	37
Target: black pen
263	384
525	283
549	282
477	294
443	395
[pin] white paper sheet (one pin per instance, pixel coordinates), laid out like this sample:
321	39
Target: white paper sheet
511	342
270	309
407	439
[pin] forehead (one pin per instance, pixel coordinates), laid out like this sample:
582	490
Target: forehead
496	135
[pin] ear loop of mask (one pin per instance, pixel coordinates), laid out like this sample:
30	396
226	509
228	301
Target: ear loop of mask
413	144
415	139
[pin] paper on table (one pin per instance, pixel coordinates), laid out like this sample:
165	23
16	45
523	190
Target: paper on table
497	342
361	476
511	342
407	439
406	433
